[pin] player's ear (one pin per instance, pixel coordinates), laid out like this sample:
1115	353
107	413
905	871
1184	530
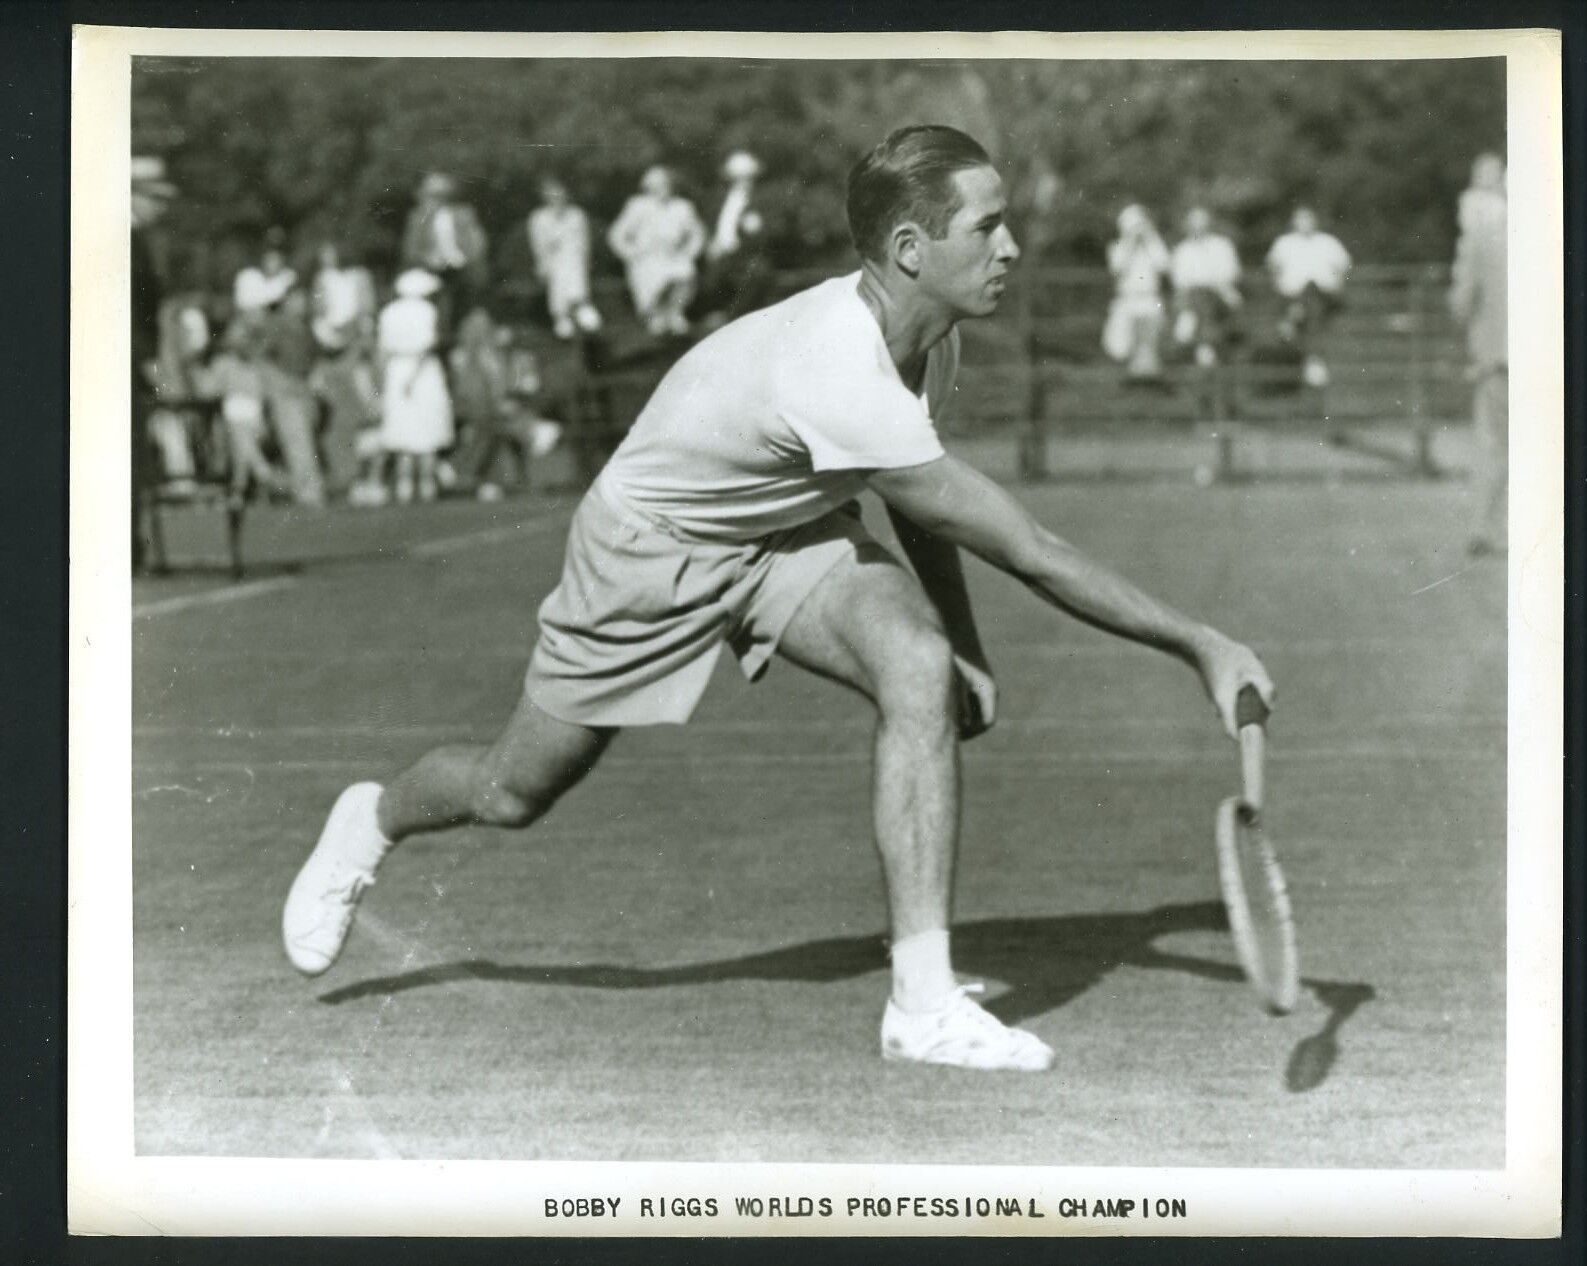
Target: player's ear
905	246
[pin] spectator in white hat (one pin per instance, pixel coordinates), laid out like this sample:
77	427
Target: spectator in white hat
415	406
739	277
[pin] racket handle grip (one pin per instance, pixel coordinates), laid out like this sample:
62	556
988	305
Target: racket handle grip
1249	708
1250	713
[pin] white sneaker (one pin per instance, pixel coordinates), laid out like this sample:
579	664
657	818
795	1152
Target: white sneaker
962	1034
324	897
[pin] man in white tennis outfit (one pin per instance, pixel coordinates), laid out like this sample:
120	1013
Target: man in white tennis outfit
728	517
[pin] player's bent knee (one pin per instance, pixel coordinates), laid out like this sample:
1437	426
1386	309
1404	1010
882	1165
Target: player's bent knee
917	679
496	805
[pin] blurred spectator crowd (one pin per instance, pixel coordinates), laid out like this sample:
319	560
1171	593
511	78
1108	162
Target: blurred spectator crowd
315	379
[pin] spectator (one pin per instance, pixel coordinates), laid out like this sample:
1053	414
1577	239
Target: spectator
1478	298
496	383
443	237
151	196
659	236
236	379
559	240
259	287
1138	261
176	423
1205	270
343	378
739	276
343	301
416	409
289	357
1309	268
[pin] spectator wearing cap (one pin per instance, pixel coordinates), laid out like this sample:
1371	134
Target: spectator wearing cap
559	241
416	408
1478	297
260	286
738	276
658	236
444	238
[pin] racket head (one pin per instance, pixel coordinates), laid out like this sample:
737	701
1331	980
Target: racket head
1257	901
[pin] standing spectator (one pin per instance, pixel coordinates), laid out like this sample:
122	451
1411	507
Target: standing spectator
659	236
559	240
1205	270
416	409
343	379
289	357
1138	261
738	279
151	196
1309	268
176	424
444	238
1478	298
260	286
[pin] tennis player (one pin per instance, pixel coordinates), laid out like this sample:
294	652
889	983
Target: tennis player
728	517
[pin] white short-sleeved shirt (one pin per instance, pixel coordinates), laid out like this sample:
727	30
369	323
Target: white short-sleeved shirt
774	420
1302	259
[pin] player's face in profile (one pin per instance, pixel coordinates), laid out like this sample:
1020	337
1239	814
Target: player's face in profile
966	267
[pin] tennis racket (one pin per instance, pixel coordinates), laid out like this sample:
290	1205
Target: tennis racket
1248	872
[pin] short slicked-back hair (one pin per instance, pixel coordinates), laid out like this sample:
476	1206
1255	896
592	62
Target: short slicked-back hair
909	176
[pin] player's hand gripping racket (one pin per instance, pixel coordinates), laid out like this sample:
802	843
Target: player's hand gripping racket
1249	874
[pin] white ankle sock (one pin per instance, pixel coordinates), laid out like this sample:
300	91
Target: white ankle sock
922	974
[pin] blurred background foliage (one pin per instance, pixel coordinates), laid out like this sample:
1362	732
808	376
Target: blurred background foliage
333	148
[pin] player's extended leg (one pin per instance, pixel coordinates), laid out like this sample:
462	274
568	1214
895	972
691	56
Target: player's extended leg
870	626
509	783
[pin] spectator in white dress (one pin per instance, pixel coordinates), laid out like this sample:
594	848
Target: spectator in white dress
415	407
659	237
559	240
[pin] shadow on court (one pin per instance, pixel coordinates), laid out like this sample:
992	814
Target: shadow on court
1045	962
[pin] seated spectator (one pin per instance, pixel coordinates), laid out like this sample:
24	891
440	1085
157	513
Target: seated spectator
235	378
658	236
559	240
1205	270
259	287
343	301
1138	261
496	385
1309	268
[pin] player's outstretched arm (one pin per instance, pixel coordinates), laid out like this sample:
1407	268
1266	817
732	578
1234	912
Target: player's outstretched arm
957	503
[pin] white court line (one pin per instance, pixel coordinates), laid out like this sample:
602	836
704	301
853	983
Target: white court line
212	597
424	549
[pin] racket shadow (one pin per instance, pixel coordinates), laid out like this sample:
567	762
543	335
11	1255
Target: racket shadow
1045	963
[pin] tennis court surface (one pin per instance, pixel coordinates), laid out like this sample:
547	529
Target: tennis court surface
685	960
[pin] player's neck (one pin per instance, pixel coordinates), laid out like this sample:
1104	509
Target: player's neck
910	326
